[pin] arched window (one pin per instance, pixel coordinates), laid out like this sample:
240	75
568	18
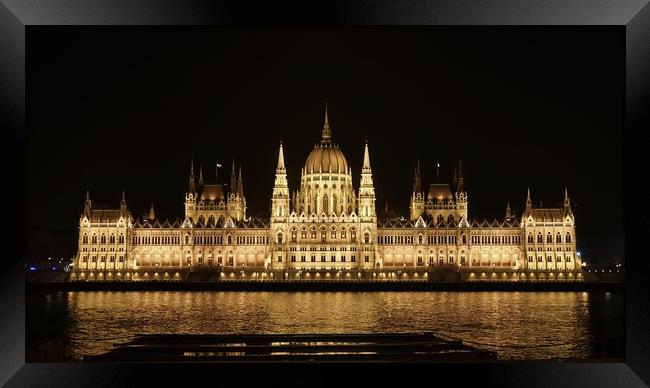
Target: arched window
464	239
103	239
366	238
440	218
530	238
420	239
343	233
325	207
333	234
112	239
85	238
187	239
94	239
558	238
229	240
568	238
549	238
279	238
539	238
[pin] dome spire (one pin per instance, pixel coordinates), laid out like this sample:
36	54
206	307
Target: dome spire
366	157
280	158
327	133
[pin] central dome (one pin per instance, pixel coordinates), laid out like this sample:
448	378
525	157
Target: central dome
326	157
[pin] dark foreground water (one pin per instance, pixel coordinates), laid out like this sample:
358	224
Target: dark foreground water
517	325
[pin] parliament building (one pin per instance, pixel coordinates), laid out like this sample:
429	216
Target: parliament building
327	230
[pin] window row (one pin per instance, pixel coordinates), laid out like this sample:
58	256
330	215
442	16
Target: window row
315	248
549	238
313	234
549	259
496	239
323	259
102	259
155	240
102	239
323	236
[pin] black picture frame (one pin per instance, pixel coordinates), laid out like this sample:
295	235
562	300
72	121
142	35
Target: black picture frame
634	16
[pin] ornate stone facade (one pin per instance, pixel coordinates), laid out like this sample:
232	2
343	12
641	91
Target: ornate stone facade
327	230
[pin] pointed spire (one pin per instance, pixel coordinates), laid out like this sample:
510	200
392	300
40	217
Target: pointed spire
87	204
417	180
233	178
327	133
567	201
529	203
201	175
123	203
366	157
386	207
152	213
240	184
460	187
280	158
192	184
508	213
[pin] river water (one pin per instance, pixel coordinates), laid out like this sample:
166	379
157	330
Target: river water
517	325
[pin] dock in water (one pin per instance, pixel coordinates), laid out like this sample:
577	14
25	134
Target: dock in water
398	347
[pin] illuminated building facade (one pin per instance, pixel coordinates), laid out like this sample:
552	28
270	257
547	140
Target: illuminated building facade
327	230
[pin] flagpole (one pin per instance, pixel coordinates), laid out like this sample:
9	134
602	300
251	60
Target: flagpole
437	171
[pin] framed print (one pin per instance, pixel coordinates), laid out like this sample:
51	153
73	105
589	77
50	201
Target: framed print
374	192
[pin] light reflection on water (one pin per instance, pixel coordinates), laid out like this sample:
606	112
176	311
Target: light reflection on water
517	325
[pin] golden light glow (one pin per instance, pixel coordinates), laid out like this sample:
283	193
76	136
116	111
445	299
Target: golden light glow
328	215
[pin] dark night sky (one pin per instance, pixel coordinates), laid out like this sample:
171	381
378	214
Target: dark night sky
127	108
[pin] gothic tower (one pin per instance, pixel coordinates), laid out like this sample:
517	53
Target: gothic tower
461	194
190	196
417	197
279	212
367	215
